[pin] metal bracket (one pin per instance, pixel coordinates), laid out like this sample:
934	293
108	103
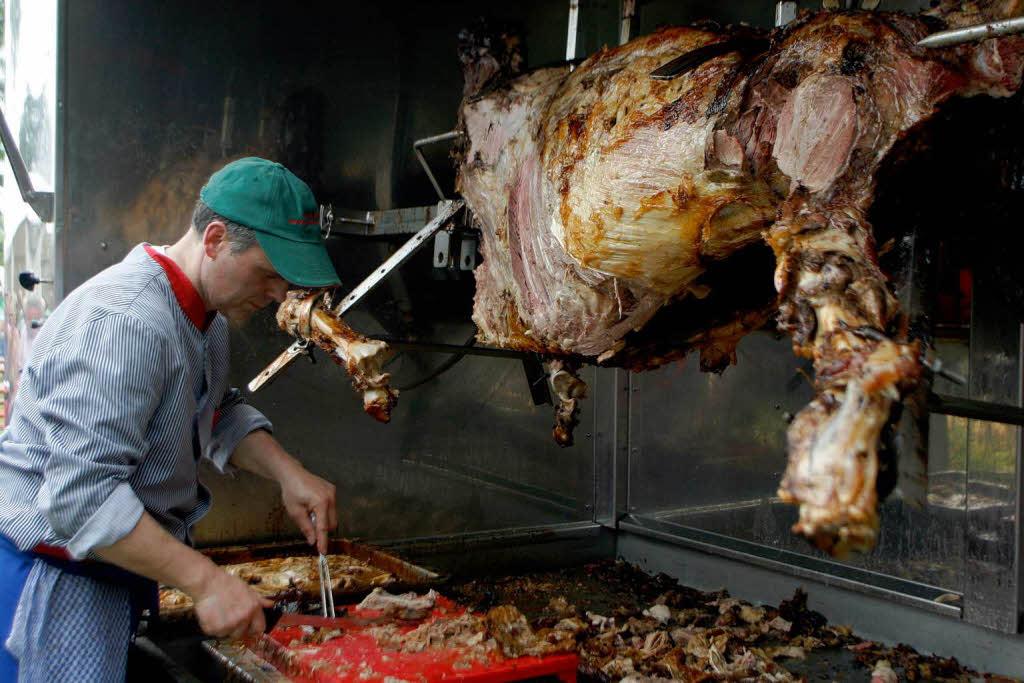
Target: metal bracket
455	250
443	249
41	202
450	135
337	222
446	210
467	252
785	12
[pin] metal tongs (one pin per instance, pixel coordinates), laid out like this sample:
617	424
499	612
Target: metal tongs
326	594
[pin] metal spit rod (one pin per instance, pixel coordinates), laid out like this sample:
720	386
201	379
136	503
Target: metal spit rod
970	33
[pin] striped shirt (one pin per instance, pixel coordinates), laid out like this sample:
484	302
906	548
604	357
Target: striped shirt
126	388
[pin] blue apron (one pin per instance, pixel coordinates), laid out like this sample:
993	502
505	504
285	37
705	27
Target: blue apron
14	568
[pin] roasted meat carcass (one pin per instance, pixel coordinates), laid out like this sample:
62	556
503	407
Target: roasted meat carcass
604	196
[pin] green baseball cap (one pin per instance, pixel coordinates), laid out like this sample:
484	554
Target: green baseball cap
281	210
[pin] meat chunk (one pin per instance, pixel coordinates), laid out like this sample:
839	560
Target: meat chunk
404	606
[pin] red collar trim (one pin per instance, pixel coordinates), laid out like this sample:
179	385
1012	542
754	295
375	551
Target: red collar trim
184	291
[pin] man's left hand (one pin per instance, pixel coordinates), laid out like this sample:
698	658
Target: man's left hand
304	494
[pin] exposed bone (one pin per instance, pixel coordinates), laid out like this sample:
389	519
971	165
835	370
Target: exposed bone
304	314
569	390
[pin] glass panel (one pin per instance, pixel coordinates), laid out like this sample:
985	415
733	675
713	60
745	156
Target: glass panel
710	451
30	107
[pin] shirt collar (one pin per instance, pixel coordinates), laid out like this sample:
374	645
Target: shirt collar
184	291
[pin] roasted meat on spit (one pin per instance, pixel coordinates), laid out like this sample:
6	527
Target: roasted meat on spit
606	199
604	195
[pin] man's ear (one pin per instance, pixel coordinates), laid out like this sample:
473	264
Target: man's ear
215	239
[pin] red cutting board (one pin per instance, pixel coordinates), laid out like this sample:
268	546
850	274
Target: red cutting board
355	656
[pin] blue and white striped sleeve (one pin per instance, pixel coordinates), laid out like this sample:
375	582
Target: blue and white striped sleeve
236	418
96	394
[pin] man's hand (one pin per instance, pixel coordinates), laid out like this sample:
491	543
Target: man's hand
302	492
227	607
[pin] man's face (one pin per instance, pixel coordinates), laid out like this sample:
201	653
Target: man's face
237	284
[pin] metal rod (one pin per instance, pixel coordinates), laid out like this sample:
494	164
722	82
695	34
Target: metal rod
970	33
628	10
450	135
975	410
454	348
1018	553
570	40
445	211
41	202
440	137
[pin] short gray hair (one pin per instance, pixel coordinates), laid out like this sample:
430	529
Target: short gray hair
241	237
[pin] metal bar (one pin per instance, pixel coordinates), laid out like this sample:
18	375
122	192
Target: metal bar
1018	553
500	538
628	11
971	33
455	348
611	444
440	137
297	348
445	211
570	39
786	562
41	202
60	179
975	410
450	135
389	222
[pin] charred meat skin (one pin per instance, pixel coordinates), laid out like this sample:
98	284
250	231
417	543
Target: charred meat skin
603	195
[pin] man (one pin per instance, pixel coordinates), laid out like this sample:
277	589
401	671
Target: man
126	388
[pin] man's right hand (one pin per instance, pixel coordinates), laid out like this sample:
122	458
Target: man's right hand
228	607
225	605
